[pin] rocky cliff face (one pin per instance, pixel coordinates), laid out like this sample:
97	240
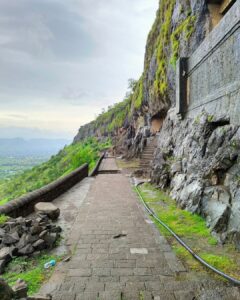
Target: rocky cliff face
197	160
179	27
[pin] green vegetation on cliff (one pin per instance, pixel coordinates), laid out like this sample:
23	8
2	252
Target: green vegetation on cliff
67	160
153	92
113	118
162	45
185	28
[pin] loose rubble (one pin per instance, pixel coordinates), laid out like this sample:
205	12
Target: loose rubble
18	291
26	237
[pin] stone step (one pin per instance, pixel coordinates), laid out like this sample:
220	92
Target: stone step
146	159
145	165
149	148
148	152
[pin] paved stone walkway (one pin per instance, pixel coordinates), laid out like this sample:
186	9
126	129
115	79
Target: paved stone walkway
108	164
119	254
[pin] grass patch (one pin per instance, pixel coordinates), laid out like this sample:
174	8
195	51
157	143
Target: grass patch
32	271
192	229
3	219
181	221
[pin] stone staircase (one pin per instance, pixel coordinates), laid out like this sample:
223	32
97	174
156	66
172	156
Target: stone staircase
147	154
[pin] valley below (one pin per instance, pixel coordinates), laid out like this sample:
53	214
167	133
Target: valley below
12	165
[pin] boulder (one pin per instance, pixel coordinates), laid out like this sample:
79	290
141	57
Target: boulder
20	289
5	253
2	232
216	207
50	239
39	245
10	238
48	209
23	241
176	167
6	293
27	250
3	263
36	229
190	195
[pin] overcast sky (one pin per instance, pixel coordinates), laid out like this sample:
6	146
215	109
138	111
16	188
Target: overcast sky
62	61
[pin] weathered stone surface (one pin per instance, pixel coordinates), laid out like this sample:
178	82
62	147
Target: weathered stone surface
5	253
10	238
28	249
208	148
20	289
6	293
39	245
40	297
3	264
216	207
47	208
2	232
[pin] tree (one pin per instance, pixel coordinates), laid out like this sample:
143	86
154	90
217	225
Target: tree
132	84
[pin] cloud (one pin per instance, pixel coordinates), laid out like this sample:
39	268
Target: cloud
17	116
70	58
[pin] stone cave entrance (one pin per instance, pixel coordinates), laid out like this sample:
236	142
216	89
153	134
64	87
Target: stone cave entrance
156	122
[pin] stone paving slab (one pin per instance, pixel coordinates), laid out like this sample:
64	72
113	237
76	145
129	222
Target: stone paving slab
116	254
108	164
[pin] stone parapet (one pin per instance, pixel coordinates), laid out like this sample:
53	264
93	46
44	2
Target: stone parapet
24	205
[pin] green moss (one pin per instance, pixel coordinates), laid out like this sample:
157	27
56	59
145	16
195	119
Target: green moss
210	118
165	17
184	30
3	219
220	262
234	143
212	241
181	221
138	94
114	118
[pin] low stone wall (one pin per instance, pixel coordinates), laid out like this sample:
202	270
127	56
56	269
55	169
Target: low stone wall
95	170
24	205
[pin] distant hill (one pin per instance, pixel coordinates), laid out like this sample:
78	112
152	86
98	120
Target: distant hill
33	147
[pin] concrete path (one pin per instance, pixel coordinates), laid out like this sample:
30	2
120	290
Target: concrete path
119	254
108	165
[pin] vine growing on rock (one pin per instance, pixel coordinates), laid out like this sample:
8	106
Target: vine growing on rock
165	17
185	30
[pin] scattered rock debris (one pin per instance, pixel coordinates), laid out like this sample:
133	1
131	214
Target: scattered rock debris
26	237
